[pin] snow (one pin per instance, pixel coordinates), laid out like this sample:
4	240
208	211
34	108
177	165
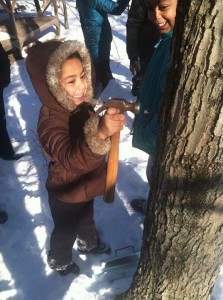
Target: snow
24	273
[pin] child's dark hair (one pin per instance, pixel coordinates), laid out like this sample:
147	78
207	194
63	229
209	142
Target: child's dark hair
75	55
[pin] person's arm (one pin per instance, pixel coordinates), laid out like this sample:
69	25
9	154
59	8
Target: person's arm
98	130
90	146
136	18
145	133
56	141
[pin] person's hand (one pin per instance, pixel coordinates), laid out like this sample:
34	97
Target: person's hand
135	66
111	122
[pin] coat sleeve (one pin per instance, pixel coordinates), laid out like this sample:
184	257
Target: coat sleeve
146	126
97	145
135	22
145	133
67	147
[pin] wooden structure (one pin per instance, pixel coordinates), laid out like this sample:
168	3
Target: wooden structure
24	29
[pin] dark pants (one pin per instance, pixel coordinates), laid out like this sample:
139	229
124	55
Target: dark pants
71	221
103	74
5	143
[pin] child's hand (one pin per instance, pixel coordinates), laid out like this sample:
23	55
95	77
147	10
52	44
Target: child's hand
111	122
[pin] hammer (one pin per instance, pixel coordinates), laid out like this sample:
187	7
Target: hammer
113	157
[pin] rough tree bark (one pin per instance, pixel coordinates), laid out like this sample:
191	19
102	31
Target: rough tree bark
182	248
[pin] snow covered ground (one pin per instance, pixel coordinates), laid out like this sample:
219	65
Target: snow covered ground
24	238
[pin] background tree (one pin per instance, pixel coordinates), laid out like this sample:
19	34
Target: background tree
182	247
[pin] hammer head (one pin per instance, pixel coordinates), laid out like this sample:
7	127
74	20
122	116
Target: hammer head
122	104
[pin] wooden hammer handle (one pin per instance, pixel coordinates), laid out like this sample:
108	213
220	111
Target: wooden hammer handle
112	168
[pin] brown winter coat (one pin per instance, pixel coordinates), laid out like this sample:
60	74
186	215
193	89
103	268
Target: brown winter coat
68	134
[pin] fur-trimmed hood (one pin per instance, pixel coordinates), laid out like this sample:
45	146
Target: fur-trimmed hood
44	61
54	68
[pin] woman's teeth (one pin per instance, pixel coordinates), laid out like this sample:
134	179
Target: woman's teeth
161	24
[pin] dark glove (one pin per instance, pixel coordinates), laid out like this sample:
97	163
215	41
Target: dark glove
135	66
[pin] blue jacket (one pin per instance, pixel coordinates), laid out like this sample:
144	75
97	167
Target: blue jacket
96	27
146	125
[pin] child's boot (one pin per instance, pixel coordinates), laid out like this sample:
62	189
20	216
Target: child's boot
101	248
63	270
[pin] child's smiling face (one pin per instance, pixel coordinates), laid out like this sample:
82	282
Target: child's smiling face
73	80
163	14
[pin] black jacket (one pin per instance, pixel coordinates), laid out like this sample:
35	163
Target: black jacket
4	68
141	34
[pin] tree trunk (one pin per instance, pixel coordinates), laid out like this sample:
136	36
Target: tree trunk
182	247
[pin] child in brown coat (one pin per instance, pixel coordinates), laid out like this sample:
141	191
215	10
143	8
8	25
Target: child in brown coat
76	142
